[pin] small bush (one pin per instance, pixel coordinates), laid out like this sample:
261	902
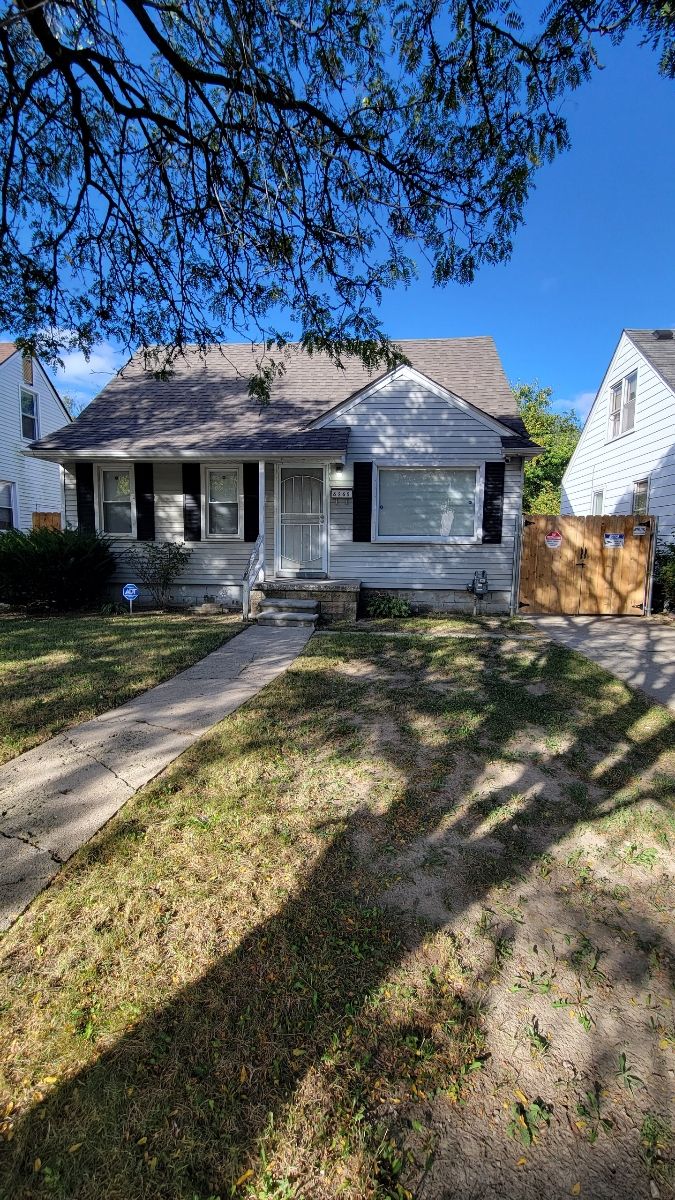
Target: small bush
158	565
384	605
664	577
50	570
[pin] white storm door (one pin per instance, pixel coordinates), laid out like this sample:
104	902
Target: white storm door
302	536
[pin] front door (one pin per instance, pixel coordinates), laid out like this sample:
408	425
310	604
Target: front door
302	531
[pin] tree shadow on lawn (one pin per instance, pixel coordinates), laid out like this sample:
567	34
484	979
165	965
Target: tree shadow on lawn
299	1012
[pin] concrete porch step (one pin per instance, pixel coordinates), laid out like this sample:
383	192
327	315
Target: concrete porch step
288	603
286	617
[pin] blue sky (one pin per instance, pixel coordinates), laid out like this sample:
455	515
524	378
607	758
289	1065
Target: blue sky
596	252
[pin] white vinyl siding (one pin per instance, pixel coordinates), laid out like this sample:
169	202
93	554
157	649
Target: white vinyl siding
406	425
37	484
648	453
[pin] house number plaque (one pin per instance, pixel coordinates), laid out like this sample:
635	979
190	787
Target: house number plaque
340	493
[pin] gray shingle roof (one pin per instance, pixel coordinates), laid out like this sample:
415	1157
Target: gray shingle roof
660	352
204	408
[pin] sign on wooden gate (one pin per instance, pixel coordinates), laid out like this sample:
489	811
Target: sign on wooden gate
578	565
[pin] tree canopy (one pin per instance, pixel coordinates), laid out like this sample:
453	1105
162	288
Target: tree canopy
176	171
558	434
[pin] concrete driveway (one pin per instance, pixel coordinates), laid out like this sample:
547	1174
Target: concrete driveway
639	650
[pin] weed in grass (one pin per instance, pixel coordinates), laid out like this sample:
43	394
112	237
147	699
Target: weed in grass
585	958
591	1121
626	1074
540	984
527	1120
503	950
641	856
539	1043
656	1148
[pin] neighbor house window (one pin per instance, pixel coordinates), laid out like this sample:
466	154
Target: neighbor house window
622	397
223	502
427	504
596	504
117	501
29	414
6	505
641	497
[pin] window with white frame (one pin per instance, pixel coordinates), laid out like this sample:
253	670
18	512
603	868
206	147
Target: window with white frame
641	497
622	398
116	489
596	503
223	502
7	513
427	504
29	414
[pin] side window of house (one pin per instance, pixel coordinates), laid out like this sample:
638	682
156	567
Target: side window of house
29	414
596	505
223	503
6	505
116	501
641	497
622	398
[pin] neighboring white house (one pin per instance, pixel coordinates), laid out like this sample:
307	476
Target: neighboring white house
30	408
625	458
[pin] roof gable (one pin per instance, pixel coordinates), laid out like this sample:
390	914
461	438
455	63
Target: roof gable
409	374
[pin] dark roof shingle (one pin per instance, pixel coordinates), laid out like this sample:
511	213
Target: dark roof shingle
660	352
204	408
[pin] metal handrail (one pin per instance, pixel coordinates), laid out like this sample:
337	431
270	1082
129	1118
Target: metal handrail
252	575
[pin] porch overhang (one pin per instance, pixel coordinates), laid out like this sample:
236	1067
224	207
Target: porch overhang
322	446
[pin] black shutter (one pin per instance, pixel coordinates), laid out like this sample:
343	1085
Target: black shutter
362	506
192	502
144	486
493	502
84	487
251	504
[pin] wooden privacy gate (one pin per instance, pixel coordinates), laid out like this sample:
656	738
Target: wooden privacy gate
595	565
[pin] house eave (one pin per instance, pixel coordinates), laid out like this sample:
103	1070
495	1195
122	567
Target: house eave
63	456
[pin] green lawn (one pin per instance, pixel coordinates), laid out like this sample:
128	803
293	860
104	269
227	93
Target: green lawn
397	928
57	671
438	623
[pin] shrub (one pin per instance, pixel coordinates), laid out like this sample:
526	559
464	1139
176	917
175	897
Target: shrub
664	577
384	605
158	565
49	570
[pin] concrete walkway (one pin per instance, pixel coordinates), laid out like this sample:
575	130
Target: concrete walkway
57	796
639	650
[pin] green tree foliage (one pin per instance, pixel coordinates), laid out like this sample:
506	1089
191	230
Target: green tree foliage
182	171
558	434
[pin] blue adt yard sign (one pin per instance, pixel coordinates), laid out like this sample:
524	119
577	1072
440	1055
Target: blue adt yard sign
130	593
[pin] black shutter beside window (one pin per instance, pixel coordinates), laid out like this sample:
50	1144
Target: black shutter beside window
84	490
493	502
362	505
144	486
251	505
192	502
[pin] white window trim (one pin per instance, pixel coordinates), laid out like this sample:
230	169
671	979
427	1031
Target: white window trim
420	538
14	504
25	387
643	479
596	491
225	466
98	489
624	395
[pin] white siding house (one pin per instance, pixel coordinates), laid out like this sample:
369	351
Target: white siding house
625	458
410	481
30	408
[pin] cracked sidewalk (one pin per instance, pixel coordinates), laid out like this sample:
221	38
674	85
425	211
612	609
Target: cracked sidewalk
54	798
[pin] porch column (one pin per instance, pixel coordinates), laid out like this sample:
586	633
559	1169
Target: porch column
261	513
